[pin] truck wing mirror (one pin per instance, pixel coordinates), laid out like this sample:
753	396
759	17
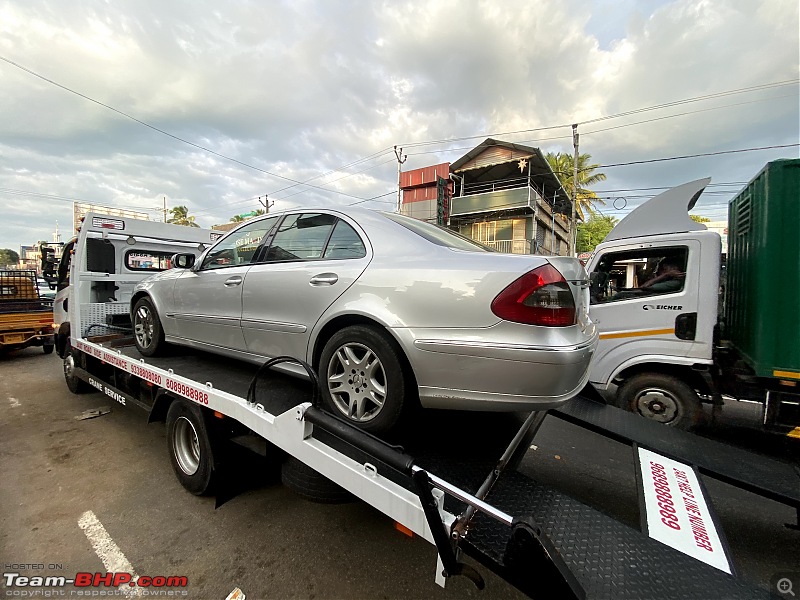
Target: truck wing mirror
599	281
183	261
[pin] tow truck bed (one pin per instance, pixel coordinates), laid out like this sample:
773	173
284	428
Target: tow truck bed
576	549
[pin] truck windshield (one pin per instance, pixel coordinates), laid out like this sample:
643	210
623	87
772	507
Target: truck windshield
639	273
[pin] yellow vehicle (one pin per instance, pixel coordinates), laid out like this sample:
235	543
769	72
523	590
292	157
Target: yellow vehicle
25	319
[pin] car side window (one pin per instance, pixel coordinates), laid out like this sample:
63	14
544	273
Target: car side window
344	243
301	237
240	247
639	274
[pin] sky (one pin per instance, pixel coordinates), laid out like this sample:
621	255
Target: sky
217	106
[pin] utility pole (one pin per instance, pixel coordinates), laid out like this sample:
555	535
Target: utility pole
400	161
573	232
266	203
165	209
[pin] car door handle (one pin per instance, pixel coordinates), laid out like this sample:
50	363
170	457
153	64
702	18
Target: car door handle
324	279
232	281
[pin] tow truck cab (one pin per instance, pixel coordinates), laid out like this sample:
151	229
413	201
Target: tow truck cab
110	262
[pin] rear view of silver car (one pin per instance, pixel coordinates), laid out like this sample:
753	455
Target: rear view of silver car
389	311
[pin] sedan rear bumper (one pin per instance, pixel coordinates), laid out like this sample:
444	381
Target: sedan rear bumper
492	376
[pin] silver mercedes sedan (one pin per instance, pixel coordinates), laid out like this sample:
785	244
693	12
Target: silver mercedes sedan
389	310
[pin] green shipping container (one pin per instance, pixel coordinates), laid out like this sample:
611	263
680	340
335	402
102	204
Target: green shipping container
762	298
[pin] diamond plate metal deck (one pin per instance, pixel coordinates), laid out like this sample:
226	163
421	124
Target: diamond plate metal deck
609	560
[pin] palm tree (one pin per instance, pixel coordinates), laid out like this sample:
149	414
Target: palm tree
237	219
180	216
563	166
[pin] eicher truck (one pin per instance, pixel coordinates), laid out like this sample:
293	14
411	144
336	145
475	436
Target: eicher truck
682	325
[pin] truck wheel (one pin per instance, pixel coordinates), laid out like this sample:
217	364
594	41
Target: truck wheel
48	348
75	384
306	482
662	398
148	335
363	379
190	448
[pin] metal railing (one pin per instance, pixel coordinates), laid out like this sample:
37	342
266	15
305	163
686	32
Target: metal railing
493	186
509	246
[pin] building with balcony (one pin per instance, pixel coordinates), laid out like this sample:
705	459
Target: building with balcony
502	194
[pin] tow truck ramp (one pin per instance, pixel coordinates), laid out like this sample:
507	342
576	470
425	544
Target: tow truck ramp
541	540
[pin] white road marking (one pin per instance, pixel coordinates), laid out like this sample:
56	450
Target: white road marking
14	402
105	548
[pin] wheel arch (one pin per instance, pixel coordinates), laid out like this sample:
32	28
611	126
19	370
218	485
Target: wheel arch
340	322
62	339
138	296
687	373
158	412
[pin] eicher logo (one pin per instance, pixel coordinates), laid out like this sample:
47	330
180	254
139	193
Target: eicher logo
662	307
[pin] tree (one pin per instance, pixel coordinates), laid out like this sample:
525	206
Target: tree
248	216
699	219
593	231
180	216
8	257
563	167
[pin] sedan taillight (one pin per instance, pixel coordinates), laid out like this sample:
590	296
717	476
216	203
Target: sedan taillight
540	297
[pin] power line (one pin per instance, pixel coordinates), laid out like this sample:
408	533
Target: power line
342	168
478	136
735	183
34	195
617	115
683	114
463	138
175	137
284	198
654	160
754	88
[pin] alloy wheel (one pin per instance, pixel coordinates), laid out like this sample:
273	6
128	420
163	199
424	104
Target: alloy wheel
143	326
357	382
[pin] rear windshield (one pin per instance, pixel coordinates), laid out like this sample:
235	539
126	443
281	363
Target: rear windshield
438	235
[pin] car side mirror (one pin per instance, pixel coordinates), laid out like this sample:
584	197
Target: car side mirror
183	261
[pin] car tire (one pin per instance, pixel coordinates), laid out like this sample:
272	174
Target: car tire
662	398
189	447
148	334
48	348
75	384
311	485
363	379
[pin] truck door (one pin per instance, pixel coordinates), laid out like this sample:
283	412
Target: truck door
645	303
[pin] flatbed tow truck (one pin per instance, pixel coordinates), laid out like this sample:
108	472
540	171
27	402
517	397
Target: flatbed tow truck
541	540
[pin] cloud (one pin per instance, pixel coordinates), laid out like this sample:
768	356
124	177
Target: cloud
300	89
